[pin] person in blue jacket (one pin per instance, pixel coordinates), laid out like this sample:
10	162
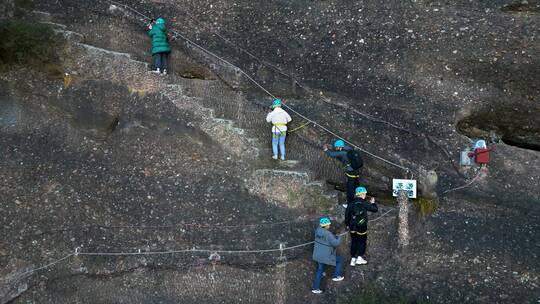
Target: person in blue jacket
324	253
160	45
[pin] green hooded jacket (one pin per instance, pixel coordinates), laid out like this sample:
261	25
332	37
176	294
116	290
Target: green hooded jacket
158	33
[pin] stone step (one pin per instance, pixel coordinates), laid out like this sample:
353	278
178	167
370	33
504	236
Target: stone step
284	186
41	16
108	52
90	62
54	25
290	188
70	35
221	130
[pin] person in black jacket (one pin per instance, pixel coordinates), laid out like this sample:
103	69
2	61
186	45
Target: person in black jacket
352	163
356	218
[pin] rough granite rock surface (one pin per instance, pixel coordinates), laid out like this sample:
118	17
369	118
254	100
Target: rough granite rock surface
112	158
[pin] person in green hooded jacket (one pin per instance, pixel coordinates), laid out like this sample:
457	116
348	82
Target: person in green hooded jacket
160	45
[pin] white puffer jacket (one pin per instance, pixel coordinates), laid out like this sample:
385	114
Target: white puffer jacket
278	117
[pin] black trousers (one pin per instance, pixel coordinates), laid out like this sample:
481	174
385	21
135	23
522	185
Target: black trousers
352	183
358	244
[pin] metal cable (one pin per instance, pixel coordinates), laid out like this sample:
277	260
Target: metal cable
193	250
39	268
281	249
177	34
278	70
472	181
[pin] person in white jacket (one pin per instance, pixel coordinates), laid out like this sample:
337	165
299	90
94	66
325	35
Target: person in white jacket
279	119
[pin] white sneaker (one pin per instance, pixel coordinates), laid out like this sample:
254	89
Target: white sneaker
156	71
316	291
353	261
274	157
360	261
283	158
164	73
337	279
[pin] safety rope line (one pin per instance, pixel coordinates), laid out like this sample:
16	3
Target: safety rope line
178	34
472	181
280	71
19	275
298	128
78	252
303	87
277	69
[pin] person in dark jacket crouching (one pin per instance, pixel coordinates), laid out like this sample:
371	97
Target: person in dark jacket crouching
356	218
324	253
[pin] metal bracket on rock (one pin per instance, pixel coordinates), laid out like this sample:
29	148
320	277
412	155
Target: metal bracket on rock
282	258
214	257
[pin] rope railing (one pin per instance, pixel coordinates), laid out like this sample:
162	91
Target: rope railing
478	175
281	248
320	96
256	83
294	79
78	252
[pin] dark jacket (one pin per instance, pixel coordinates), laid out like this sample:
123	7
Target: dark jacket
343	157
356	215
324	249
158	33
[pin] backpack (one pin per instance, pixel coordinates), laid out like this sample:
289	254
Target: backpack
358	217
355	159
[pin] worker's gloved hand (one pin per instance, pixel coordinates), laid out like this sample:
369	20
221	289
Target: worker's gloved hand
149	26
372	200
326	147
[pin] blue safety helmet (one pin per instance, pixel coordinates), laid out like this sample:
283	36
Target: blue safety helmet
324	221
276	103
160	21
339	143
360	190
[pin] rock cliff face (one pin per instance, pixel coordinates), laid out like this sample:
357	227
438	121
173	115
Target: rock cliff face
7	8
111	158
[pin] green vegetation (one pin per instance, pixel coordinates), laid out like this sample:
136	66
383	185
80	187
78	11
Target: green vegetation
388	200
24	4
30	45
375	295
425	206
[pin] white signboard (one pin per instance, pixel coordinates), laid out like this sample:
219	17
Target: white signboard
408	185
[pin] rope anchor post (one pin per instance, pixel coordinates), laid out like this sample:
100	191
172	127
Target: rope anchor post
403	217
214	257
282	258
